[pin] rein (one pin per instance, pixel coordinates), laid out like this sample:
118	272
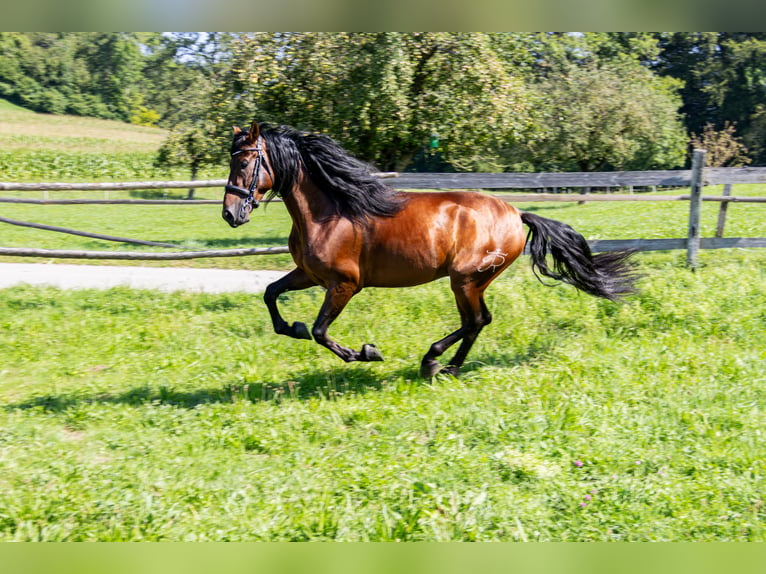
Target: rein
249	194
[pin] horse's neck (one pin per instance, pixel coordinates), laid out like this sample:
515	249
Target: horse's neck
306	205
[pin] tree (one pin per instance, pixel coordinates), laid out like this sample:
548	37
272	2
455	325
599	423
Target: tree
89	73
384	96
599	116
179	78
179	73
186	146
724	75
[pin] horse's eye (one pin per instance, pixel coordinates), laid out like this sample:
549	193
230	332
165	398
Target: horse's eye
243	163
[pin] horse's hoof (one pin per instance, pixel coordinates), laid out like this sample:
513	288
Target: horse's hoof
300	331
428	369
370	353
451	370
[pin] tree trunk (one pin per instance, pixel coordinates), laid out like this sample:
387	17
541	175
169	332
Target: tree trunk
194	169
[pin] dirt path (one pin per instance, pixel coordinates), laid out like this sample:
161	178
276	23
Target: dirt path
163	279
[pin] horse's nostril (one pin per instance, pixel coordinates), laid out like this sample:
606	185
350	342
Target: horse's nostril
228	216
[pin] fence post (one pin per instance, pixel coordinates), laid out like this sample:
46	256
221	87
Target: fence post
722	211
695	203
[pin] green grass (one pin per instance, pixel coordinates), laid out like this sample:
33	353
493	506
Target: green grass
60	148
142	416
194	227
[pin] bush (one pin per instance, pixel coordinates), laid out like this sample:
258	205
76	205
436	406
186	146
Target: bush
144	116
724	149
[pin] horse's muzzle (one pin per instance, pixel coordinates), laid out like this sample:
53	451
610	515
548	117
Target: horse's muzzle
229	217
237	215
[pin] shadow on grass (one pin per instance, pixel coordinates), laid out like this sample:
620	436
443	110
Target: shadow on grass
557	206
307	385
245	242
327	384
158	194
532	353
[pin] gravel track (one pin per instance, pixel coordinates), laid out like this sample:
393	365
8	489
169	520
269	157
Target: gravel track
162	279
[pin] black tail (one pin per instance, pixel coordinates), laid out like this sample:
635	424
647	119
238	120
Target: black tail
607	275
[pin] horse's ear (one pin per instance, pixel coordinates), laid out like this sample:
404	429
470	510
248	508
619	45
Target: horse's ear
236	129
255	132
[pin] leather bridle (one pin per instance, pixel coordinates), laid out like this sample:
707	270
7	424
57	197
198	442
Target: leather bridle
249	193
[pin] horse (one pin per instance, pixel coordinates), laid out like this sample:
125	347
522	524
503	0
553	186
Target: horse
351	231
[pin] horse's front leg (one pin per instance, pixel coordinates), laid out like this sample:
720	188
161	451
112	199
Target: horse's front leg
293	281
337	297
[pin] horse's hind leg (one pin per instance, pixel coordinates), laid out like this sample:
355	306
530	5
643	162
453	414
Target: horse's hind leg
474	316
293	281
479	321
337	297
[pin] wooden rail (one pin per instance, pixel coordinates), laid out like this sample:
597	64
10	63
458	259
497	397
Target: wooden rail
137	255
109	186
665	178
110	201
509	197
694	179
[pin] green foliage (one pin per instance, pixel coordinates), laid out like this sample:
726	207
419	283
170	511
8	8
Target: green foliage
496	101
179	72
724	149
143	116
493	101
88	74
187	147
56	166
382	95
723	75
602	109
144	78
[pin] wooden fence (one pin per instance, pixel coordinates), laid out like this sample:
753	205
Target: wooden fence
694	179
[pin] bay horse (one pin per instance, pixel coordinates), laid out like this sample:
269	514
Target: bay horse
351	231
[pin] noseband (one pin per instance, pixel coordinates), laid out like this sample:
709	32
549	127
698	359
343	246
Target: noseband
249	194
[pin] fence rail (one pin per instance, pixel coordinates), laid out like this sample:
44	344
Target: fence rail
665	178
109	201
137	255
110	186
695	179
509	197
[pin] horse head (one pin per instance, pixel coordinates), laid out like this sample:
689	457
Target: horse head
247	182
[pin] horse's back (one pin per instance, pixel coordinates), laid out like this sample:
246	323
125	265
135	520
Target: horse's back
438	234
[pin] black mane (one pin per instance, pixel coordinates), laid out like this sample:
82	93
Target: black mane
345	180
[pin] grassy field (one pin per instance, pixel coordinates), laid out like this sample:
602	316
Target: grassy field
133	415
45	147
138	415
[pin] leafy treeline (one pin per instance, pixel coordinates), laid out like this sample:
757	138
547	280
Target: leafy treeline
463	101
144	78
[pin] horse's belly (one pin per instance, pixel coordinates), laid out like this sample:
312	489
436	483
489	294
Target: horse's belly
402	264
400	276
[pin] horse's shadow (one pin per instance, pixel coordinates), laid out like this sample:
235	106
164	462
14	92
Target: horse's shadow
305	385
308	384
